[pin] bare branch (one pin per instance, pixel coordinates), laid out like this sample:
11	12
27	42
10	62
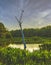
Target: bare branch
17	19
21	15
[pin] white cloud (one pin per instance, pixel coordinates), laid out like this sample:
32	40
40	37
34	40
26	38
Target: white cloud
39	20
44	13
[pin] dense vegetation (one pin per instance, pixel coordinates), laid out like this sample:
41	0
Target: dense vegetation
45	47
33	40
5	36
10	56
42	35
42	32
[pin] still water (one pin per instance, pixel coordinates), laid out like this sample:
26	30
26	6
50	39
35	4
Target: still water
30	47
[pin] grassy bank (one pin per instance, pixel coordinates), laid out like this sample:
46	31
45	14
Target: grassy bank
29	40
10	56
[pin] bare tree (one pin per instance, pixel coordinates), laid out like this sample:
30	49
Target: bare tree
20	24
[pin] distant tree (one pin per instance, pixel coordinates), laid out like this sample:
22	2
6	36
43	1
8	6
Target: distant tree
43	32
2	30
5	36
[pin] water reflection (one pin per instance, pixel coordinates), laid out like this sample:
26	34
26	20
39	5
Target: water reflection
30	47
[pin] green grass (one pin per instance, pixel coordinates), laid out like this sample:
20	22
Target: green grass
28	40
10	56
33	40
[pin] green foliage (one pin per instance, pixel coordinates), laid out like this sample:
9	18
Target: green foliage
38	36
43	32
42	35
5	36
33	40
2	30
29	40
10	56
45	47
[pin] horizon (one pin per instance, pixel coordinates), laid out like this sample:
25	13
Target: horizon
37	13
25	28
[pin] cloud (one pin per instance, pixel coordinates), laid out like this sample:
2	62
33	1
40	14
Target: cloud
37	12
44	14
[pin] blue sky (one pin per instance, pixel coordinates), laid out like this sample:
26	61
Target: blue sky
37	13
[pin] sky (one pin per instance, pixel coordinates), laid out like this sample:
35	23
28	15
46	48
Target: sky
37	13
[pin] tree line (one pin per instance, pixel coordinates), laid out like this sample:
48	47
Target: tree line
42	32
